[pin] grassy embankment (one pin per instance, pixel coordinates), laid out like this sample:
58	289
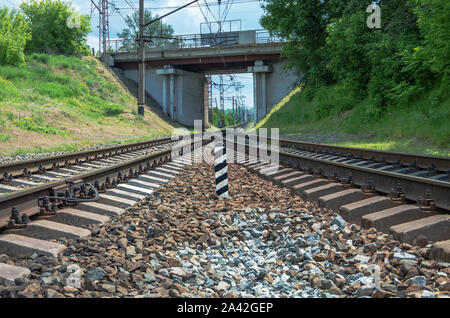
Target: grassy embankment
56	103
421	126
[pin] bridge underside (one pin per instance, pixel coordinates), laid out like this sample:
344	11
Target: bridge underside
176	78
207	65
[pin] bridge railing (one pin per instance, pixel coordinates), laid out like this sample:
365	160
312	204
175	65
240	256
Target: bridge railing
203	40
264	36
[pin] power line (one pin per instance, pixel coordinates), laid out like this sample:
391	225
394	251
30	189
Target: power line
13	3
131	5
206	5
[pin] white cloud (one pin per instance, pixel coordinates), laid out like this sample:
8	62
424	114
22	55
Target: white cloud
92	42
185	21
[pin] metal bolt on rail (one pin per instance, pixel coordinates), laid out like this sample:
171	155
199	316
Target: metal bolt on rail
333	177
396	195
25	172
108	182
368	188
17	221
42	169
346	181
427	203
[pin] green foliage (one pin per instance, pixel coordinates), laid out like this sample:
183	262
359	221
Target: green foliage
157	29
36	123
4	137
347	44
420	126
70	80
14	33
329	42
7	90
218	114
50	30
76	99
433	22
112	110
304	24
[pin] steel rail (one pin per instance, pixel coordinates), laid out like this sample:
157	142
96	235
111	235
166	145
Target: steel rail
26	200
414	188
18	167
441	163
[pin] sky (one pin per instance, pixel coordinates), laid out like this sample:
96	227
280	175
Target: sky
185	21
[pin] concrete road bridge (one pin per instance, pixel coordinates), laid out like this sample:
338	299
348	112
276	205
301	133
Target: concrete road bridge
176	73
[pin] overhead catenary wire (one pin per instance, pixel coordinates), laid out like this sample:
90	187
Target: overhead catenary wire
205	5
13	3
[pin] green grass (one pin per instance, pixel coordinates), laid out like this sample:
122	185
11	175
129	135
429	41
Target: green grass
67	102
69	80
76	146
412	126
4	137
62	147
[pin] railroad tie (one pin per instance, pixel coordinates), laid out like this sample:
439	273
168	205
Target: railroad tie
221	171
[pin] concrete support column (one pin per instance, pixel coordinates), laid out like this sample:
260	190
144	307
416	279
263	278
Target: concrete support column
259	89
168	73
205	102
183	93
172	106
263	93
164	95
255	97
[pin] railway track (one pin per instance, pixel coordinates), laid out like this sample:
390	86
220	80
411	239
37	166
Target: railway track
61	197
362	187
406	195
417	178
23	183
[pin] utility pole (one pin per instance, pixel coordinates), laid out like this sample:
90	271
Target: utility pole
141	88
222	98
103	24
141	40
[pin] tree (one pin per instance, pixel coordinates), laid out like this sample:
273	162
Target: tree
157	29
14	34
330	43
303	24
50	30
433	22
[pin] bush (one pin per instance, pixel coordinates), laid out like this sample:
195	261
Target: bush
7	90
14	33
433	22
112	110
329	42
50	33
43	58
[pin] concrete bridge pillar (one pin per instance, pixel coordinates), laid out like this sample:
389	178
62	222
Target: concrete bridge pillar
183	95
169	103
172	106
271	83
206	102
260	89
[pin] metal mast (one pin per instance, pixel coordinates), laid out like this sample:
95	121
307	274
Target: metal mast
141	40
103	24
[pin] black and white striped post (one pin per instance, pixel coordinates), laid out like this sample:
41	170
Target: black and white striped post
220	168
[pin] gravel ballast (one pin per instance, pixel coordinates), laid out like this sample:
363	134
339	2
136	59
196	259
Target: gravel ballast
260	242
